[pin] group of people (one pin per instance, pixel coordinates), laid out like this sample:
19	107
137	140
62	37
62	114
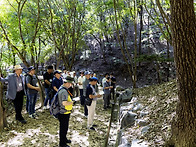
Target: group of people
67	85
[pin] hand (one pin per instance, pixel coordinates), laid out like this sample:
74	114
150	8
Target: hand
99	95
111	87
38	89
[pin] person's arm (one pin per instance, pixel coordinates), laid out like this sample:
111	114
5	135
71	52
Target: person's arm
109	87
33	87
94	96
47	82
54	87
66	103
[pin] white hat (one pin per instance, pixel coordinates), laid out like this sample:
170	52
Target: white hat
17	67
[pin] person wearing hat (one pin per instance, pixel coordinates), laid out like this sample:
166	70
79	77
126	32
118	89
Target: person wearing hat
57	81
15	91
66	104
32	90
48	76
91	94
85	84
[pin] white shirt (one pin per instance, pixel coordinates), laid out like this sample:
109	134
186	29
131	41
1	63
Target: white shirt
81	80
103	81
64	75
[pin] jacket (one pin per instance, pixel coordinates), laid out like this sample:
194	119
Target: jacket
12	85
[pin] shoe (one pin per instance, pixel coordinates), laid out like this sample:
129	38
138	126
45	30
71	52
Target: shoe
32	116
91	128
64	145
45	107
105	108
68	141
94	125
23	121
109	107
86	116
35	114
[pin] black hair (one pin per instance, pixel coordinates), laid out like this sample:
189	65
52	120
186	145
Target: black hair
106	74
108	78
50	67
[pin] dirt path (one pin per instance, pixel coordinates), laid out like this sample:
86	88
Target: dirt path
43	132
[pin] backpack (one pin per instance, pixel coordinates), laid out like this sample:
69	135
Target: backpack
55	106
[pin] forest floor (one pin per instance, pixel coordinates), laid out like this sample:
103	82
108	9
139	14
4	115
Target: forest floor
43	132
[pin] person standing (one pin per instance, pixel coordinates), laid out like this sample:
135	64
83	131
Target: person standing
113	83
76	89
91	94
48	76
104	79
15	91
32	90
66	105
80	83
107	95
57	81
64	74
85	84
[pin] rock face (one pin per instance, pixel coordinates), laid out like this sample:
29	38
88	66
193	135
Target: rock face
128	120
125	96
131	113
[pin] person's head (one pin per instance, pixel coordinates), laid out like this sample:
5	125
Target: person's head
108	79
57	74
94	75
68	73
68	82
74	73
91	74
106	75
31	70
93	80
82	73
64	71
50	69
18	69
111	75
87	74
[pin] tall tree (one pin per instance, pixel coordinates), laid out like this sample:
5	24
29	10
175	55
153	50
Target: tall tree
184	41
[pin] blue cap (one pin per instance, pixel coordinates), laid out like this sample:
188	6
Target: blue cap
93	79
31	68
87	73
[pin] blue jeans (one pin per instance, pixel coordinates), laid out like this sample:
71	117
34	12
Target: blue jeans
47	92
32	101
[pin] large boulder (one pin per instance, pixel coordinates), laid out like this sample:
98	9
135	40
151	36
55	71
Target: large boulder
125	96
128	119
119	88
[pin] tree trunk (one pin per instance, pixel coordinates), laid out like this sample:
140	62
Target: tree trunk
141	29
3	115
184	42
